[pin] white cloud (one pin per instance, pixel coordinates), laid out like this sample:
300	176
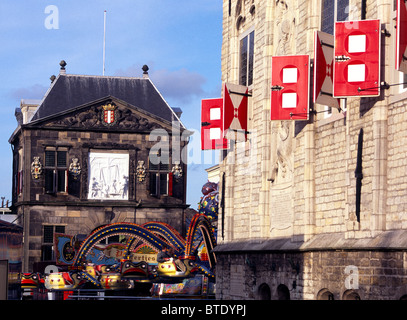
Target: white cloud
36	91
180	85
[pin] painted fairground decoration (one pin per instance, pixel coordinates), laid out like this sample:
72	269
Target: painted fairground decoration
101	254
210	201
133	258
197	286
65	251
108	175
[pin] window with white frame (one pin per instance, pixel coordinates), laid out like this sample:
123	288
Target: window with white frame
328	110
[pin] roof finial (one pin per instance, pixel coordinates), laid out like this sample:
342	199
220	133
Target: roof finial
62	64
145	69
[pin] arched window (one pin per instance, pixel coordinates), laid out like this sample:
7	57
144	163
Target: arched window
350	295
264	292
283	293
325	294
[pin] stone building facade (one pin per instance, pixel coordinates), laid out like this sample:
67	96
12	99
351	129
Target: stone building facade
96	150
292	224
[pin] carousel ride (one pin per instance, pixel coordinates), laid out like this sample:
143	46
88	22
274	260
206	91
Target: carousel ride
132	260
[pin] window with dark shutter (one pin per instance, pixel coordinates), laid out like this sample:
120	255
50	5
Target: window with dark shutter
159	176
49	175
55	171
47	249
48	234
163	183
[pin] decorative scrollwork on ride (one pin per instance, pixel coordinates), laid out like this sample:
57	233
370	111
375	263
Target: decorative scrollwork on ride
127	229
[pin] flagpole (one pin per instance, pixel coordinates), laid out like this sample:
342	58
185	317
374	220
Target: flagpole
104	42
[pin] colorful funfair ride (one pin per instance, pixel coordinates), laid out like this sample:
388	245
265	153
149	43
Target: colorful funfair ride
118	266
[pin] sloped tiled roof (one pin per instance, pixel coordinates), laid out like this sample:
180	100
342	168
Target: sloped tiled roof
70	91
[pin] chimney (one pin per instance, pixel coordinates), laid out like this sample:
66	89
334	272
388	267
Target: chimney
28	108
178	112
62	64
145	71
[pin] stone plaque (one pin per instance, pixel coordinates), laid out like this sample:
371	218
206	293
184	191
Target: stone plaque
281	207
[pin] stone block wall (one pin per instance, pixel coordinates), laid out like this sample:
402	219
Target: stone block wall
321	184
314	275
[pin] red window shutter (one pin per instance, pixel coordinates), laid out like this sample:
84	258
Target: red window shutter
19	182
290	87
401	41
170	183
212	133
357	58
235	106
323	69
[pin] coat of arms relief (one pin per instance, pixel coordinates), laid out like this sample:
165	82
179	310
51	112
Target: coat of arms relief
36	168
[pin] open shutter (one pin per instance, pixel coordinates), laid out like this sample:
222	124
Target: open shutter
357	59
290	87
401	39
235	111
20	182
323	69
170	184
50	181
212	133
153	184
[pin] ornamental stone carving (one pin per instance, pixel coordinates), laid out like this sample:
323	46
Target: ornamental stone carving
75	168
141	171
36	168
177	171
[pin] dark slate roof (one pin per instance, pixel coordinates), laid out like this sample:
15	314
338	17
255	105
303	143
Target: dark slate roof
10	227
70	91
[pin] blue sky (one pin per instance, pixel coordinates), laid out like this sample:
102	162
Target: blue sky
180	41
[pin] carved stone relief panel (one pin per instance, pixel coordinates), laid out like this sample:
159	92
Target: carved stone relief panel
282	153
284	27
